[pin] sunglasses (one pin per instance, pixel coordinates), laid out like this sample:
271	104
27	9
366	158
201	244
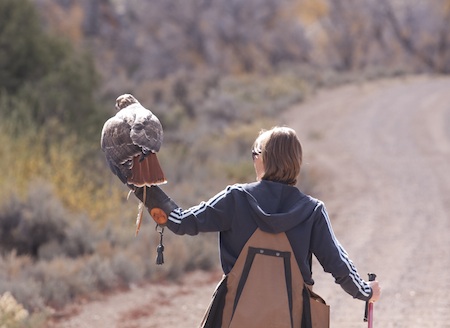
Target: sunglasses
255	154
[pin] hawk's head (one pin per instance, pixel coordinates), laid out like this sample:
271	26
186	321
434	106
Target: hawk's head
125	100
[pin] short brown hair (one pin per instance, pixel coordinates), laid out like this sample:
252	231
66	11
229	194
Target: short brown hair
281	153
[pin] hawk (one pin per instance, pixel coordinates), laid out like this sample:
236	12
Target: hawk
130	141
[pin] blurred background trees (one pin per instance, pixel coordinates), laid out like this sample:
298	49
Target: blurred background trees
43	79
214	71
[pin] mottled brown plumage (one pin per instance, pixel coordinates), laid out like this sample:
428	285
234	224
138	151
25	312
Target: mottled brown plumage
130	140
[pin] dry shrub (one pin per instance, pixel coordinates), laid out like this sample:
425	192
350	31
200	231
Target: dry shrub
241	99
120	261
97	272
14	278
12	314
41	227
202	252
58	280
128	267
26	226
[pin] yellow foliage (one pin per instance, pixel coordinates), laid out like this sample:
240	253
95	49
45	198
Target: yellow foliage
21	161
27	157
71	178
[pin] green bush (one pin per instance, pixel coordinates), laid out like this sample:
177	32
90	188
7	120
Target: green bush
24	47
44	81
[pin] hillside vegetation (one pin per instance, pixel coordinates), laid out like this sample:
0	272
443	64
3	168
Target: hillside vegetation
214	72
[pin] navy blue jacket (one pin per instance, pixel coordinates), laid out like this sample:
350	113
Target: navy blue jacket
274	207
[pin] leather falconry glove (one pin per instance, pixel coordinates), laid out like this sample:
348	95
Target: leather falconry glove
158	203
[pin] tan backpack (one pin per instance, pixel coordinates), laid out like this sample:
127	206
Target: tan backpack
265	288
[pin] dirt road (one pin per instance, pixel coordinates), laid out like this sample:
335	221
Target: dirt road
379	156
385	150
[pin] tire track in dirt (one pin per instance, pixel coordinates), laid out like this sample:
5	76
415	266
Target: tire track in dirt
385	148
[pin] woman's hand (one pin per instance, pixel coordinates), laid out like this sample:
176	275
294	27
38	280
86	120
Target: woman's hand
376	291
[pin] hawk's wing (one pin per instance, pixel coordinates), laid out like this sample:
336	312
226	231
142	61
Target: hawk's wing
146	130
118	147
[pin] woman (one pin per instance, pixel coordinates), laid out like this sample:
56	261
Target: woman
273	204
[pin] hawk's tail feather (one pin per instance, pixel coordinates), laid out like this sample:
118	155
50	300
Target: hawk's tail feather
146	172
